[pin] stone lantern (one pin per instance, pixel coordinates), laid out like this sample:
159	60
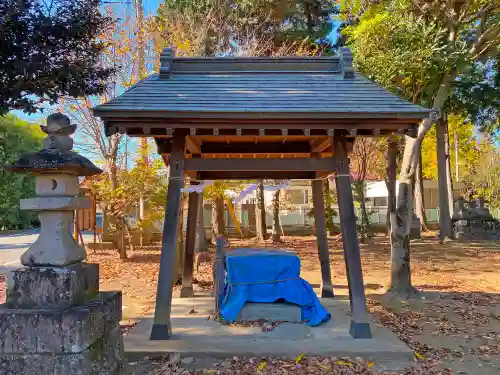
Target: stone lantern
55	320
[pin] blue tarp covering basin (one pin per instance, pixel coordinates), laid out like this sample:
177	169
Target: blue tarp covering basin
264	275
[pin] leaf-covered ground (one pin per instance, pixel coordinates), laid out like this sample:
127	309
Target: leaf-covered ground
454	327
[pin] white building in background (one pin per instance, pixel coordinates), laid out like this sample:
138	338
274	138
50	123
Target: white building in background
299	195
376	193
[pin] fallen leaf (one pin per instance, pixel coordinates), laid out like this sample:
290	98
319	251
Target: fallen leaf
299	358
344	363
370	364
419	356
262	366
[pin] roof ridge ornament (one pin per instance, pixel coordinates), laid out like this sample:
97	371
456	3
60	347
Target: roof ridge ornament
166	61
345	55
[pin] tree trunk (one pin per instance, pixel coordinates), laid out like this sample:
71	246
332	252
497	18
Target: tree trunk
457	169
390	181
400	282
419	196
120	238
444	209
218	225
200	239
401	219
260	214
276	217
449	181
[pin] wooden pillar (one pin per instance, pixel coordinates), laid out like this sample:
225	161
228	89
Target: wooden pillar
162	329
187	275
321	238
360	327
219	273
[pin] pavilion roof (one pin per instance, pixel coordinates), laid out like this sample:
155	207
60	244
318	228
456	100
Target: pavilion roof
191	92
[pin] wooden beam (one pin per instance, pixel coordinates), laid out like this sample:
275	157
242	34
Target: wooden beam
345	123
321	238
256	148
265	165
320	145
256	175
187	275
360	328
193	145
162	328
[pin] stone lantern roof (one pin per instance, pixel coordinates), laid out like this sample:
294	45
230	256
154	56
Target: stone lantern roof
56	157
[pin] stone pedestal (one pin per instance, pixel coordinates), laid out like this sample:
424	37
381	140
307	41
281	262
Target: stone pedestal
56	322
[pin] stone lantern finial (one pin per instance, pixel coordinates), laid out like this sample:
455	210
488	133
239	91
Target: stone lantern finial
58	130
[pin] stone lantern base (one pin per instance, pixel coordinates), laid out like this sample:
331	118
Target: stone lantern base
56	322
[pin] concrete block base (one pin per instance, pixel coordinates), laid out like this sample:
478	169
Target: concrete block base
271	312
57	323
195	336
103	357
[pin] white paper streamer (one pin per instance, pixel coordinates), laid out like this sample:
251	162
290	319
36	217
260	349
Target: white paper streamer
244	193
283	185
197	188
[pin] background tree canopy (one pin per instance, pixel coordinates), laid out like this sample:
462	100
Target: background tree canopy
16	138
260	27
49	49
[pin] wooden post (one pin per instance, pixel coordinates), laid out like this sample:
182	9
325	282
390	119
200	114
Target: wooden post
219	273
94	216
187	275
321	238
162	329
360	328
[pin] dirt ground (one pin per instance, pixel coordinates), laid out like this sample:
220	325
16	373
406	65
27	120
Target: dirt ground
453	327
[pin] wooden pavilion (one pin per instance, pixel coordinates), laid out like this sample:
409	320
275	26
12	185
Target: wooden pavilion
258	118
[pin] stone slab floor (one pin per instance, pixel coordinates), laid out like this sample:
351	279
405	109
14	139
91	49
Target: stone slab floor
196	336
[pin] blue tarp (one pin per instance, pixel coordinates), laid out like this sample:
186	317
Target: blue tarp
261	275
